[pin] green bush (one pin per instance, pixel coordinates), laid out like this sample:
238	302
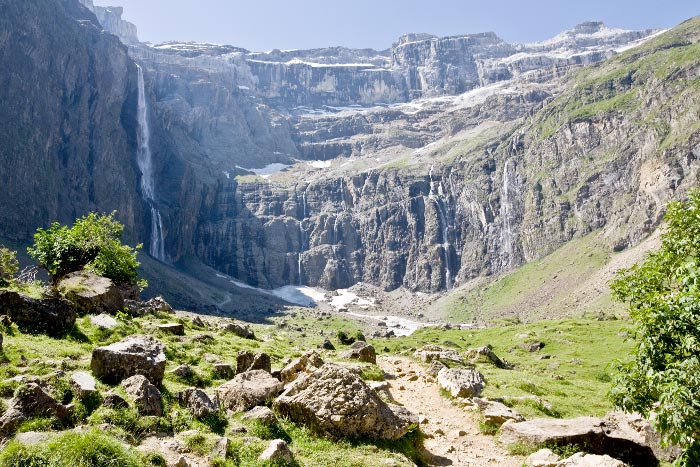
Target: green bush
93	242
8	266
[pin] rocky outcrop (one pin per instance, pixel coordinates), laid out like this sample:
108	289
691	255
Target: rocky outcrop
91	293
334	401
308	363
249	389
198	402
52	316
134	355
247	361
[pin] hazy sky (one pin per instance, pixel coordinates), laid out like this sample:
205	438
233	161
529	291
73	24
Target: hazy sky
267	24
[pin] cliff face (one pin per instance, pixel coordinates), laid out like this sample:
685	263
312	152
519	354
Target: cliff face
68	96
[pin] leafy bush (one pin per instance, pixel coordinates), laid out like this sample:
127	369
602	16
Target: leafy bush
8	266
93	242
663	293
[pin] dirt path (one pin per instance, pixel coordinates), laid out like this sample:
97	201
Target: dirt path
453	436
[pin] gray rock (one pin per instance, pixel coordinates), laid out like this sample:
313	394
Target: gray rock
198	402
461	382
247	361
104	321
249	389
115	401
224	370
32	401
307	363
542	458
431	353
435	367
261	414
336	402
496	413
183	371
83	384
635	427
156	305
238	329
146	396
361	351
531	346
277	451
91	293
197	321
327	345
134	355
486	355
176	329
52	316
590	460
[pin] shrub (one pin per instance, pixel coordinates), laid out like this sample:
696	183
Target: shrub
8	266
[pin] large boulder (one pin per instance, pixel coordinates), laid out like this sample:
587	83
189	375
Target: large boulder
461	382
431	353
249	389
262	415
334	401
146	396
637	428
361	351
247	361
134	355
277	452
496	413
52	316
308	363
90	293
239	329
588	432
31	401
83	384
486	354
198	402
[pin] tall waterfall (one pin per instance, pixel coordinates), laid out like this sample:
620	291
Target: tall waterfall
445	226
302	240
145	163
506	214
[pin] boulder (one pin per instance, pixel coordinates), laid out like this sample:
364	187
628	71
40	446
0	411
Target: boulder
83	384
431	353
261	414
114	401
249	389
176	329
146	396
636	427
590	460
461	382
277	452
334	401
183	371
542	458
326	345
496	413
435	367
307	363
156	305
52	316
104	321
247	361
224	370
589	432
486	355
31	401
90	293
198	402
361	351
238	329
134	355
532	346
197	321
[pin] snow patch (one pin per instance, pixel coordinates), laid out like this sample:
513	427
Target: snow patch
401	326
320	164
268	170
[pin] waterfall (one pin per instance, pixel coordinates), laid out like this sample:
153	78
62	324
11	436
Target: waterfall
506	215
444	224
145	164
302	239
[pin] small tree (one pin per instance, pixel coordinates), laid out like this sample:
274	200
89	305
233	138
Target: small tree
93	242
8	266
663	292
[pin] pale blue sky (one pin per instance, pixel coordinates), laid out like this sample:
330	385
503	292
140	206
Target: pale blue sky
266	24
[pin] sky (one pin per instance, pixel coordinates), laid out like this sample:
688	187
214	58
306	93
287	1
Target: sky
261	25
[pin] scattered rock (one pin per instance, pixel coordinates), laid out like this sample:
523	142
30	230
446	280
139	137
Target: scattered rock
52	316
224	370
197	321
203	338
238	329
183	371
542	458
198	402
249	389
435	367
176	329
90	293
461	382
308	363
486	355
431	353
327	345
156	305
146	396
496	413
277	451
83	384
134	355
115	401
531	346
31	401
590	460
104	321
334	401
262	414
247	361
361	351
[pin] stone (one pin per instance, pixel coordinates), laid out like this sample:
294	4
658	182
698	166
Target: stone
238	329
176	329
261	414
590	432
486	355
590	460
276	452
104	321
183	371
361	351
134	355
115	401
52	316
156	305
90	293
249	389
431	353
146	396
461	382
307	363
197	321
31	401
542	458
83	384
336	402
327	345
531	346
224	370
198	402
496	413
435	367
635	427
246	361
